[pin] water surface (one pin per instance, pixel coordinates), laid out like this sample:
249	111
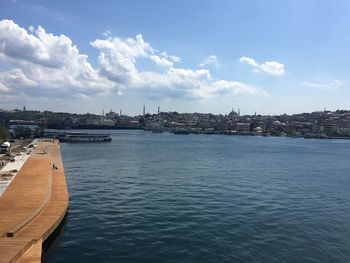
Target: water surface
148	197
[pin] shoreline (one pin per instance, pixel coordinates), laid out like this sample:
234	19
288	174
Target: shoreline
320	136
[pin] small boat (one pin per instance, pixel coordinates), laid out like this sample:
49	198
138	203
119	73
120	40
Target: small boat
157	130
181	131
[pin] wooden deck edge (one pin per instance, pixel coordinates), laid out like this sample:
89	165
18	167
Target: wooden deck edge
23	251
21	255
55	225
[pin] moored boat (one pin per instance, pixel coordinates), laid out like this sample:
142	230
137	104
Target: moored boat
157	130
181	131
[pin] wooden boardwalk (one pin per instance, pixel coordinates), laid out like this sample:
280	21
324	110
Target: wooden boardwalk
33	205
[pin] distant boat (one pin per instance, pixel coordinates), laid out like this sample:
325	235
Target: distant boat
157	130
84	137
181	131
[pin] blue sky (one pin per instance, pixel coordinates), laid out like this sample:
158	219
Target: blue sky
272	57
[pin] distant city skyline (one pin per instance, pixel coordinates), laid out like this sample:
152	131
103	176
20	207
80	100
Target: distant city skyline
186	56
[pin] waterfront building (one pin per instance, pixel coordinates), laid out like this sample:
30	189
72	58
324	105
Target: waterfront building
258	130
97	122
243	127
330	128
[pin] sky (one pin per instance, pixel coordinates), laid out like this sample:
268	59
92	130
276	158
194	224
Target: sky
264	56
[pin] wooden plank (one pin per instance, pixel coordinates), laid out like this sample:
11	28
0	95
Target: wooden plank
33	254
11	250
33	205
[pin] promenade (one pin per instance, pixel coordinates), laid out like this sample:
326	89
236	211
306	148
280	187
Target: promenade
33	205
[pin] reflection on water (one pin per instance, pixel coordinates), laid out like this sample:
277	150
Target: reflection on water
53	240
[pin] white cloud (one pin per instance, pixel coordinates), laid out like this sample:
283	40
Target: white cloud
31	29
15	42
118	59
3	88
16	77
48	65
173	58
273	68
270	67
161	61
211	60
249	61
229	88
81	96
45	64
330	85
107	33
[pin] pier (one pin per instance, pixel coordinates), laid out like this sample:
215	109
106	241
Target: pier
33	205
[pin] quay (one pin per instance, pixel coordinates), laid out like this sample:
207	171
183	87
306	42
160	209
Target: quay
33	205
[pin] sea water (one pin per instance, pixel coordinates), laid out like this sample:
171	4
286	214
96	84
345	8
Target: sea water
148	197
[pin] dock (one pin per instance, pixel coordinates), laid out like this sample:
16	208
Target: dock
33	205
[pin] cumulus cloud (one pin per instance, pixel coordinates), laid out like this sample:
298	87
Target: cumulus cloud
229	88
3	88
107	34
329	85
15	42
117	57
31	29
16	77
270	67
173	58
211	60
161	61
44	64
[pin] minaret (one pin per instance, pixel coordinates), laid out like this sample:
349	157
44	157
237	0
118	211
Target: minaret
158	110
239	112
144	110
120	112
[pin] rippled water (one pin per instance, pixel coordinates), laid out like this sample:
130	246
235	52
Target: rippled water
148	197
